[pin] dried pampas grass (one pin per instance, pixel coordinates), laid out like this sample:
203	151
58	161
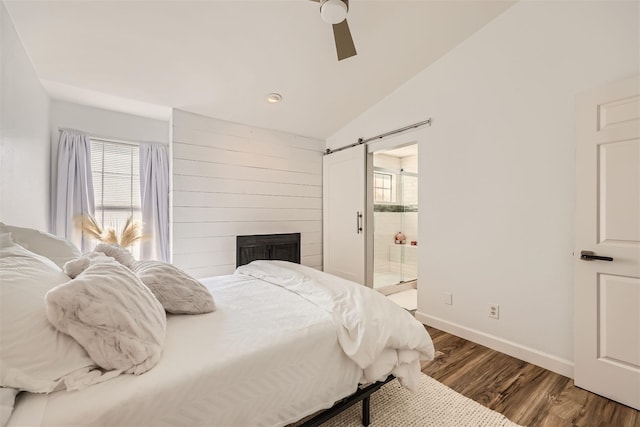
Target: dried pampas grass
110	237
131	233
89	225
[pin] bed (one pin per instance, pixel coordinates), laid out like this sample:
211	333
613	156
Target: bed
284	342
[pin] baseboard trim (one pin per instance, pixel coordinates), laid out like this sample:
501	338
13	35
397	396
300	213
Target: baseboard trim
545	360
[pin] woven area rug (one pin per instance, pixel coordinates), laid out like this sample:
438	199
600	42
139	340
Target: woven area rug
433	405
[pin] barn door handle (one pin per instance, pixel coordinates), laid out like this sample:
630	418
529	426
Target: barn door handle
358	222
589	256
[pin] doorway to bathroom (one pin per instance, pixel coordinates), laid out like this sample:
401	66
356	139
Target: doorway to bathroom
395	220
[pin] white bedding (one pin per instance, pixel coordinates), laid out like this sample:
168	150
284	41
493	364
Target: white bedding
253	362
373	331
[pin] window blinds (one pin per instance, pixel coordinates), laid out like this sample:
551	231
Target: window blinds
115	169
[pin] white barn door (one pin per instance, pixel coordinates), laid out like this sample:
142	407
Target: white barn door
607	251
344	216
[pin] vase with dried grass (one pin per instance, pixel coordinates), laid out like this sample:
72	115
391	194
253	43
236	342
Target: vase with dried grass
131	233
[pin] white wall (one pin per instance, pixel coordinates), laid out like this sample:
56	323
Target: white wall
106	123
497	169
230	179
385	161
409	163
24	146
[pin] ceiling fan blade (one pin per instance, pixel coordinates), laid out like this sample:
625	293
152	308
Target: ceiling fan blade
344	41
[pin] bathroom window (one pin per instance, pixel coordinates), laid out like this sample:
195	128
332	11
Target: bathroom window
383	187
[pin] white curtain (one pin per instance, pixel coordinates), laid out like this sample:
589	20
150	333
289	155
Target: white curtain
154	195
74	189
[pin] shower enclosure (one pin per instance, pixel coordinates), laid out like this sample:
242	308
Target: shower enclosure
395	210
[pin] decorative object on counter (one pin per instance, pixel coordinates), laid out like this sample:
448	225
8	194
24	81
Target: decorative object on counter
414	243
400	238
131	233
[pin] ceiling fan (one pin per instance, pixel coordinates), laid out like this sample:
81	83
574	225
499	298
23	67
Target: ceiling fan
335	12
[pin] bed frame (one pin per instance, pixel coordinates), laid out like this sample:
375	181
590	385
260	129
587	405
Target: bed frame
286	247
363	394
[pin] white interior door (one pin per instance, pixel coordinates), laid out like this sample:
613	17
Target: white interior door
344	213
607	288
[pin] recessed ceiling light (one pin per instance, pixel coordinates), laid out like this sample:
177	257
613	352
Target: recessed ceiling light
274	98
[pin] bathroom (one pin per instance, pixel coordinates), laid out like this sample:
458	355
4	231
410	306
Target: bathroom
395	216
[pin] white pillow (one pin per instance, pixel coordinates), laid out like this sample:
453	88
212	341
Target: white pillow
34	356
178	292
112	314
116	252
7	401
55	248
5	239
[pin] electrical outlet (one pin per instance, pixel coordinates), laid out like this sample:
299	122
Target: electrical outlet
447	298
494	311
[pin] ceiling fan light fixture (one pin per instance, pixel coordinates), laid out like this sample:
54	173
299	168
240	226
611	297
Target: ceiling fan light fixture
333	11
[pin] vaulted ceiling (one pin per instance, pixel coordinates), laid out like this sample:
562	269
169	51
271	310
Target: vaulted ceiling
222	58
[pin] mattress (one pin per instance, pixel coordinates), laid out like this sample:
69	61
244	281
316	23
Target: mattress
265	357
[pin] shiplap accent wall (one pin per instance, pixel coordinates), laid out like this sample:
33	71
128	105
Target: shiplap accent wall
231	179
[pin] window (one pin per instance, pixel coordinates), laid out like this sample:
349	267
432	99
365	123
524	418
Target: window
382	187
115	170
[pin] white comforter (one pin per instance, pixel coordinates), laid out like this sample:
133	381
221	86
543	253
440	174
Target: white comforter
252	363
378	335
249	363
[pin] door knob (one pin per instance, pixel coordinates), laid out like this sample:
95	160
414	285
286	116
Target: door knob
590	256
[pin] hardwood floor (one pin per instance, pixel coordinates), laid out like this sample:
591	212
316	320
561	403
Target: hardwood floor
526	394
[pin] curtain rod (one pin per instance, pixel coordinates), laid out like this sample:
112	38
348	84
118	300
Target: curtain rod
112	140
382	135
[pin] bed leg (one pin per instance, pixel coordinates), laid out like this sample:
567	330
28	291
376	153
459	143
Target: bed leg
363	394
366	414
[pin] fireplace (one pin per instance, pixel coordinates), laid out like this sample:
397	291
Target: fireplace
283	247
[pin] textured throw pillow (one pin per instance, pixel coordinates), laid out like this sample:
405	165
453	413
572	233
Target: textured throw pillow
55	248
34	356
116	252
178	292
112	314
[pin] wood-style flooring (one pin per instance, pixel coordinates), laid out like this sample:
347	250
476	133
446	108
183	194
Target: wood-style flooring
526	394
